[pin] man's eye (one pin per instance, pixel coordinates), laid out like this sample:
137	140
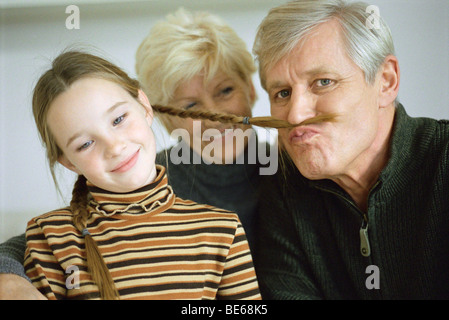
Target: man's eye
85	146
324	82
118	120
283	94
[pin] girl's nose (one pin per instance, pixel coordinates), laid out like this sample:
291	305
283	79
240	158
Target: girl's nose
114	146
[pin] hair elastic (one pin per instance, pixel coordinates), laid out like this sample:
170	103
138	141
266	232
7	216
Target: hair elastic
245	120
85	232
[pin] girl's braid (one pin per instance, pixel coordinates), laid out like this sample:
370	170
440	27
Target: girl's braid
266	122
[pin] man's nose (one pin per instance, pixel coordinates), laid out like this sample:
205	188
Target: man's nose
302	107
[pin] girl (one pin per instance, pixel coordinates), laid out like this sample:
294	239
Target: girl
125	235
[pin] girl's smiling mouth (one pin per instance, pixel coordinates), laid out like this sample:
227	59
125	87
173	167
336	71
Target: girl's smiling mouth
127	164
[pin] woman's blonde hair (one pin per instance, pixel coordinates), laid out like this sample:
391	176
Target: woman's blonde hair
185	45
286	25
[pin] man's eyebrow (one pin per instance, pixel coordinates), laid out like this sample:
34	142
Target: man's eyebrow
110	110
274	85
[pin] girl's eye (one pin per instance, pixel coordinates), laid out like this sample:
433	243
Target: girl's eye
85	146
118	120
324	82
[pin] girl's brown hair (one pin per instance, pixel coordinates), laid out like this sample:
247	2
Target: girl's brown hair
71	66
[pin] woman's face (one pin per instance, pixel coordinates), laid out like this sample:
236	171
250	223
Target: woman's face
105	134
222	94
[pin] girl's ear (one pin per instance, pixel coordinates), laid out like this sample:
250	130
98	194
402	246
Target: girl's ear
66	163
146	103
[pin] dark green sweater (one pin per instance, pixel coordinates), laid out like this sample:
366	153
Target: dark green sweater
309	231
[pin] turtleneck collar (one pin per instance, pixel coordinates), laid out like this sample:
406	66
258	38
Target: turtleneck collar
151	199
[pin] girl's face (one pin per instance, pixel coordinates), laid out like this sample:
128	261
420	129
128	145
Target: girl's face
105	134
222	94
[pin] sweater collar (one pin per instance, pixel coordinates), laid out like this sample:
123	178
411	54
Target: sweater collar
151	199
404	154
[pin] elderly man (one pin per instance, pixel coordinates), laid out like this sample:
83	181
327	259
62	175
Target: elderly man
360	209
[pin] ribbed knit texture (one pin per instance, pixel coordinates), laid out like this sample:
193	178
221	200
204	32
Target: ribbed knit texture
156	246
310	229
11	256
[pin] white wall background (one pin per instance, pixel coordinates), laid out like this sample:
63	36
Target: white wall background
33	32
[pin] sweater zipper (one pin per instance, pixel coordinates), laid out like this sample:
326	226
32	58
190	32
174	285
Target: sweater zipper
365	248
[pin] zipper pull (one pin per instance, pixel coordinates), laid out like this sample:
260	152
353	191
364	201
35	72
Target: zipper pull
365	249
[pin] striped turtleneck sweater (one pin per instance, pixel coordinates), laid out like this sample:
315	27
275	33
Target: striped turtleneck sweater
156	246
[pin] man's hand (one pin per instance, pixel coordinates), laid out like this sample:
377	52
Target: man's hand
14	287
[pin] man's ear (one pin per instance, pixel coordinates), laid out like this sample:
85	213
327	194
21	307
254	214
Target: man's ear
66	163
389	81
146	103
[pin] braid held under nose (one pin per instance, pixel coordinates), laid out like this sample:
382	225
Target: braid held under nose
266	122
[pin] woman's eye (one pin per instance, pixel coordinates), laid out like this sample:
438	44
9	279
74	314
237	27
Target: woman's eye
190	105
85	146
118	120
227	90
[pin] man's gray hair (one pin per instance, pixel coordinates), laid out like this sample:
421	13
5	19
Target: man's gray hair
367	43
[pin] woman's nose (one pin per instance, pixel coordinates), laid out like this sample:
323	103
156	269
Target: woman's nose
212	106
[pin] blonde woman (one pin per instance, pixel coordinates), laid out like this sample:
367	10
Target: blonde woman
195	61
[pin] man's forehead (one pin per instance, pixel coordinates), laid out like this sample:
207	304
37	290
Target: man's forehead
318	51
